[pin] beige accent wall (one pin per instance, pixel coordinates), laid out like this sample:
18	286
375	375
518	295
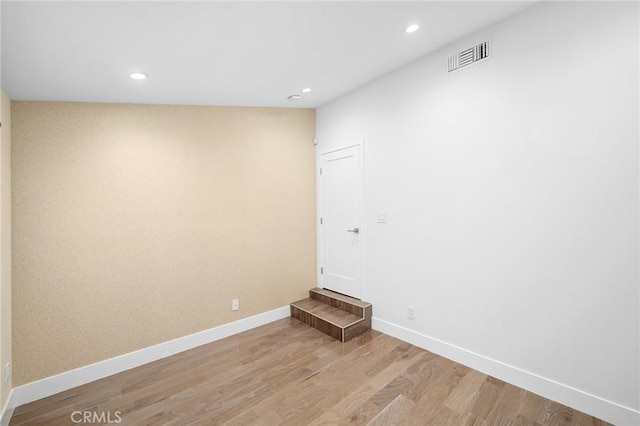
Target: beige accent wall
137	224
5	245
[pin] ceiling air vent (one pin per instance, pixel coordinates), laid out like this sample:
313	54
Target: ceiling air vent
469	56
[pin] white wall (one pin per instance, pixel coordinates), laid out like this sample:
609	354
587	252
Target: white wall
511	189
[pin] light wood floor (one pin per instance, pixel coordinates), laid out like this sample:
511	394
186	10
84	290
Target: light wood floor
289	373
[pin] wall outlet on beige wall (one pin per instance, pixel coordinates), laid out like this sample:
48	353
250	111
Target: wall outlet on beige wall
235	304
6	374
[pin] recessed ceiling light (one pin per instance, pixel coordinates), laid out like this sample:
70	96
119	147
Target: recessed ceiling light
412	28
306	90
294	97
138	75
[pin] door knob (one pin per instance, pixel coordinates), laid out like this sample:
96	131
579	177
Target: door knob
354	230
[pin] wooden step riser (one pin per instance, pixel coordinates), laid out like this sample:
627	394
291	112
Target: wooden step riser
356	329
364	312
342	333
345	306
318	323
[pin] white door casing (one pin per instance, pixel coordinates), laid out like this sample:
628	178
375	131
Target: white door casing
340	196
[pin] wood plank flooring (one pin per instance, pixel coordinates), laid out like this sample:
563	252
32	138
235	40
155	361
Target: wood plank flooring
287	373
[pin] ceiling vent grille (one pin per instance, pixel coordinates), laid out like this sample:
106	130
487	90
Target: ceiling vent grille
469	56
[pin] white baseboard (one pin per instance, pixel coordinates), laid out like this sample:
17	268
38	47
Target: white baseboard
567	395
7	410
70	379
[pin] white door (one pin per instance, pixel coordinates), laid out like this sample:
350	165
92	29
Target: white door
340	220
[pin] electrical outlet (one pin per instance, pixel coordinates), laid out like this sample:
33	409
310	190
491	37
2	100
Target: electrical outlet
7	373
411	312
235	304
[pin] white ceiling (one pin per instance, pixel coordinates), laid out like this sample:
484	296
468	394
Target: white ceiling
221	53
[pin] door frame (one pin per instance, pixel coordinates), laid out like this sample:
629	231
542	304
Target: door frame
363	229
